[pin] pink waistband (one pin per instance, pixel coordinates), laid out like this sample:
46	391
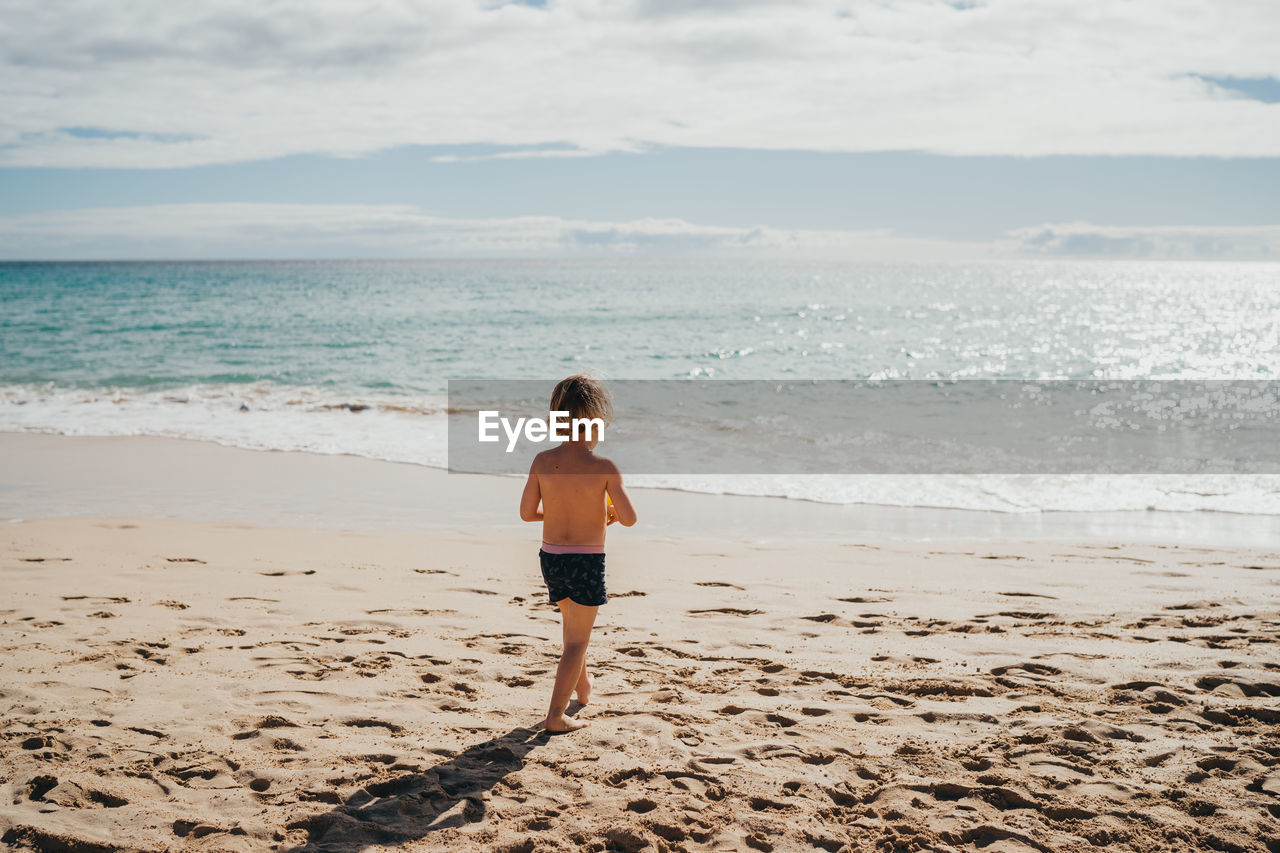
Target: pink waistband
572	549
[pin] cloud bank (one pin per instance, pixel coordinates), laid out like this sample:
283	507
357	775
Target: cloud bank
155	83
242	230
1083	240
219	230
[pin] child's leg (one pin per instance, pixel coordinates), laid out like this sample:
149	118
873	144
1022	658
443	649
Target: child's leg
578	620
583	690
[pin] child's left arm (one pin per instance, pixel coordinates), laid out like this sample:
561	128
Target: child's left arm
622	510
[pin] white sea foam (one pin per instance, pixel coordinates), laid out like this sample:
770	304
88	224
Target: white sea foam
1020	493
403	428
259	416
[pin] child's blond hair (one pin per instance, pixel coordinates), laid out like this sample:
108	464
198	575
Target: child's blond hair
582	396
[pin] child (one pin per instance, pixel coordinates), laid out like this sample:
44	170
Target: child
580	494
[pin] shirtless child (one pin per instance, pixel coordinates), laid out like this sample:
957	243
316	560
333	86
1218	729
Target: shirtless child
575	494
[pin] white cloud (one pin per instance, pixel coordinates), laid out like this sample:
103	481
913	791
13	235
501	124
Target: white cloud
219	230
196	83
517	154
1081	239
222	230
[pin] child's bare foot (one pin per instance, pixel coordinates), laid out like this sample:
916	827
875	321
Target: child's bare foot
584	689
564	723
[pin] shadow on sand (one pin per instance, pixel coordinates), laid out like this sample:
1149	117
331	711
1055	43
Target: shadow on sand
412	806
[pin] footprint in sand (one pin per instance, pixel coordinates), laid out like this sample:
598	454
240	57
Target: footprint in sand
899	692
1217	762
1193	605
367	723
158	735
1242	687
669	832
761	804
270	721
465	689
540	823
105	599
68	794
39	786
185	769
1029	668
195	829
273	721
833	619
106	800
409	611
38	742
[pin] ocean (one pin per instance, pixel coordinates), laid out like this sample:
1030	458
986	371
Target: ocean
353	357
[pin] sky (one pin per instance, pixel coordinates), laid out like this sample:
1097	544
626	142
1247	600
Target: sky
867	129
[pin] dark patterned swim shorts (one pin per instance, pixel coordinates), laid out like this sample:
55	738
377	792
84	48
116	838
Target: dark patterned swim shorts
579	577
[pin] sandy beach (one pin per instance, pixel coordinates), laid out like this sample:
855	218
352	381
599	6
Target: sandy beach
915	365
216	685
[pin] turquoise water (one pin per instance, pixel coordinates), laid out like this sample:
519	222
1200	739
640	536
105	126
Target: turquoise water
405	327
352	357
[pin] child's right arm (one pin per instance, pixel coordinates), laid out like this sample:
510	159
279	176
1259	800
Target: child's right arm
530	509
623	511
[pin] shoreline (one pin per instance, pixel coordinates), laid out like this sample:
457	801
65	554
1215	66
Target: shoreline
49	475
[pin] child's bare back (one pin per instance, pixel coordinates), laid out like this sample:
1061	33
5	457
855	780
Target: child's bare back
574	486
